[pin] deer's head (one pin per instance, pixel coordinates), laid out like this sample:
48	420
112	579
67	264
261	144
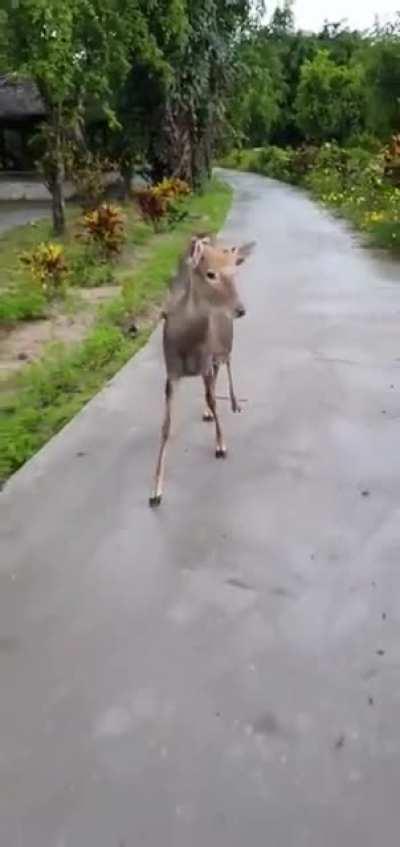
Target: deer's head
216	271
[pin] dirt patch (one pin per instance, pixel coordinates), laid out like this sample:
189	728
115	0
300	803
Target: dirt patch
26	342
99	295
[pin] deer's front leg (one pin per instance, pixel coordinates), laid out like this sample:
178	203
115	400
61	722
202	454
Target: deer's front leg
209	384
208	416
156	497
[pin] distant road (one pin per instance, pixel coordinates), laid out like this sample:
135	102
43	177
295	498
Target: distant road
20	212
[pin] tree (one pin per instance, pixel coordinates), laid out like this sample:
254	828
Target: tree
382	62
185	123
255	104
330	101
138	103
72	50
282	21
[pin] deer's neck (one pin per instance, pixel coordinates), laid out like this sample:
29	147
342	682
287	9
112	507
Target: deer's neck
198	291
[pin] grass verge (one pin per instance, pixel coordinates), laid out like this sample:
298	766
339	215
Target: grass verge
46	395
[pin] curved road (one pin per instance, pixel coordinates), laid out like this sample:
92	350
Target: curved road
224	671
16	213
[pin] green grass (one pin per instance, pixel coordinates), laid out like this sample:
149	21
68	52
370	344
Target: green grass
21	299
45	396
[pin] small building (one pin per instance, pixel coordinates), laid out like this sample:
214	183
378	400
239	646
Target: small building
21	112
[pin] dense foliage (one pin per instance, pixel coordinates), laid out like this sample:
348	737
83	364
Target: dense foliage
332	85
156	86
145	81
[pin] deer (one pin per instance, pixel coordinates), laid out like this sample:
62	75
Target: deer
197	339
221	258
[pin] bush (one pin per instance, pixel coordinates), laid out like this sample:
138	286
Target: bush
275	162
48	267
359	184
366	141
302	161
86	270
89	176
26	302
162	201
105	229
392	161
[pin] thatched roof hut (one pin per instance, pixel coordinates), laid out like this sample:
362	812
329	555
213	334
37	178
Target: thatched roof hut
20	102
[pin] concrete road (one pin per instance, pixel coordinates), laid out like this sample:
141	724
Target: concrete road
17	213
224	671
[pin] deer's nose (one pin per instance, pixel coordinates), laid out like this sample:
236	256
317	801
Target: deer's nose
240	311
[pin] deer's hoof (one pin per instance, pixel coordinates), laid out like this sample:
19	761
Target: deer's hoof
207	417
155	501
220	453
236	409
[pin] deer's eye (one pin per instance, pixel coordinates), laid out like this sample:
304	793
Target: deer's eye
211	275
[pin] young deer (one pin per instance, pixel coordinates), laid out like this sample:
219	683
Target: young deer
198	337
220	258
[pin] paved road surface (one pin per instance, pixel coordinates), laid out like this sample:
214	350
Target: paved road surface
225	671
16	213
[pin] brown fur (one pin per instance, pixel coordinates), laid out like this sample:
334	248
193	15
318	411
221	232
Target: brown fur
198	337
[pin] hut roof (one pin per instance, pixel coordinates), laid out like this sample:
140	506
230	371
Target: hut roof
19	100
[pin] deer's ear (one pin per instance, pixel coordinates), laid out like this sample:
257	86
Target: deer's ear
244	252
196	252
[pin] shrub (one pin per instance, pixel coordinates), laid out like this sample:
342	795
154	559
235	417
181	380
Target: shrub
162	200
303	160
87	272
105	228
88	175
275	162
172	188
360	184
392	161
385	234
25	302
48	267
366	141
153	206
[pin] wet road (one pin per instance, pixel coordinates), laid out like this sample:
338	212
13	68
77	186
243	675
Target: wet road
15	213
224	671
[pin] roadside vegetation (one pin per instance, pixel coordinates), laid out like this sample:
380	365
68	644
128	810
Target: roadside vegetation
131	91
322	110
37	400
353	181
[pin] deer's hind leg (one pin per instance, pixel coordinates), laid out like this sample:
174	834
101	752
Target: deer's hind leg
209	384
156	497
234	403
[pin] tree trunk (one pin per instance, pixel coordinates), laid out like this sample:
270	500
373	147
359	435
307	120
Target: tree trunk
57	187
127	176
202	158
58	204
172	147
